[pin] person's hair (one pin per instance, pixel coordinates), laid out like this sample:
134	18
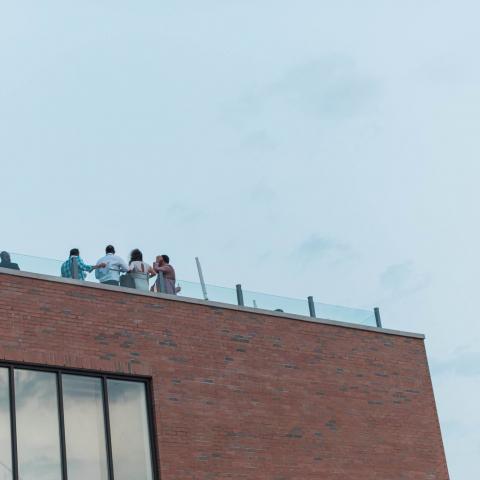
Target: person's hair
110	249
5	256
166	258
74	252
136	256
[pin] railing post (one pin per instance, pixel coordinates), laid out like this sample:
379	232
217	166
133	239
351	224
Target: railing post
160	282
378	319
74	267
202	281
240	296
311	307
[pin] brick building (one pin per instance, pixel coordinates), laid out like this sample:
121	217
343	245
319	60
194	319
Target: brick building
100	382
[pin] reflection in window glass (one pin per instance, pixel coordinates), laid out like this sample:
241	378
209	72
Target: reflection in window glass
129	430
5	438
37	425
84	428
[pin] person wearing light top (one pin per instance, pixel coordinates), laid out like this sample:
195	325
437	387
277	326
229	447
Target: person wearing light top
139	270
114	265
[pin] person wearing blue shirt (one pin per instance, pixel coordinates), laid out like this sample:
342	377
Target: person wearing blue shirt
67	268
114	265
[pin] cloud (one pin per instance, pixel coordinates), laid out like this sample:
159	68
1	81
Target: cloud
323	248
258	140
462	363
262	193
183	213
448	71
401	279
328	88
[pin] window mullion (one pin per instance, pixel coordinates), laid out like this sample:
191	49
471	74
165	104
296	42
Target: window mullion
61	422
152	431
13	423
106	416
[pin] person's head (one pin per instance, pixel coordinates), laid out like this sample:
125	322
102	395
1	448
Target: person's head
74	252
136	256
5	257
110	249
163	260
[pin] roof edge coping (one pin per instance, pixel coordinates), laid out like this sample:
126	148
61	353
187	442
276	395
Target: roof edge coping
208	303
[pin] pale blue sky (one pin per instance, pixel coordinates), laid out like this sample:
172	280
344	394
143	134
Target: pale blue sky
332	144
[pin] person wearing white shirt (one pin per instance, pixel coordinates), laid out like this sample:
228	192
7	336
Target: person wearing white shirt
139	270
114	265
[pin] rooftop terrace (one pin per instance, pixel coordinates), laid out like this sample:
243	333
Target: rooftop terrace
237	296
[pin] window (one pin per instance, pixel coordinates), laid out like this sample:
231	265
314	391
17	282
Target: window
130	437
85	440
37	427
5	435
57	424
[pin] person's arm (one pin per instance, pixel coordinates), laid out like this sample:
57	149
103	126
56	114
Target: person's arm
167	271
122	265
88	268
63	270
98	273
151	272
84	266
164	269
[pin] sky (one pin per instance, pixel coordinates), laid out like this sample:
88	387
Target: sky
298	148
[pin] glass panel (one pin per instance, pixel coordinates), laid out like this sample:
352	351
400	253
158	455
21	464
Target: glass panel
222	294
84	428
214	292
344	314
129	430
27	263
5	437
38	436
275	303
190	289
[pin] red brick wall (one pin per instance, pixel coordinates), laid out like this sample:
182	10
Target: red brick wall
240	395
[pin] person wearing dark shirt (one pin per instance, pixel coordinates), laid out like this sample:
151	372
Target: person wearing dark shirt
162	264
6	262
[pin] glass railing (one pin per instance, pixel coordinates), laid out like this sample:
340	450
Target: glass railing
213	293
27	263
344	314
275	303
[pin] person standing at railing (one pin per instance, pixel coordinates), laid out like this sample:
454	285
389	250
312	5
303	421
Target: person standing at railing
76	268
139	270
110	275
162	265
6	261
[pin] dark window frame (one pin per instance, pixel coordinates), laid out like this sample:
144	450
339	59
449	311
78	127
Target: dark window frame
103	376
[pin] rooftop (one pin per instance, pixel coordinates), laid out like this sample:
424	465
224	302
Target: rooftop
216	296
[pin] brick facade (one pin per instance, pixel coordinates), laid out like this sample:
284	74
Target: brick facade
239	394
